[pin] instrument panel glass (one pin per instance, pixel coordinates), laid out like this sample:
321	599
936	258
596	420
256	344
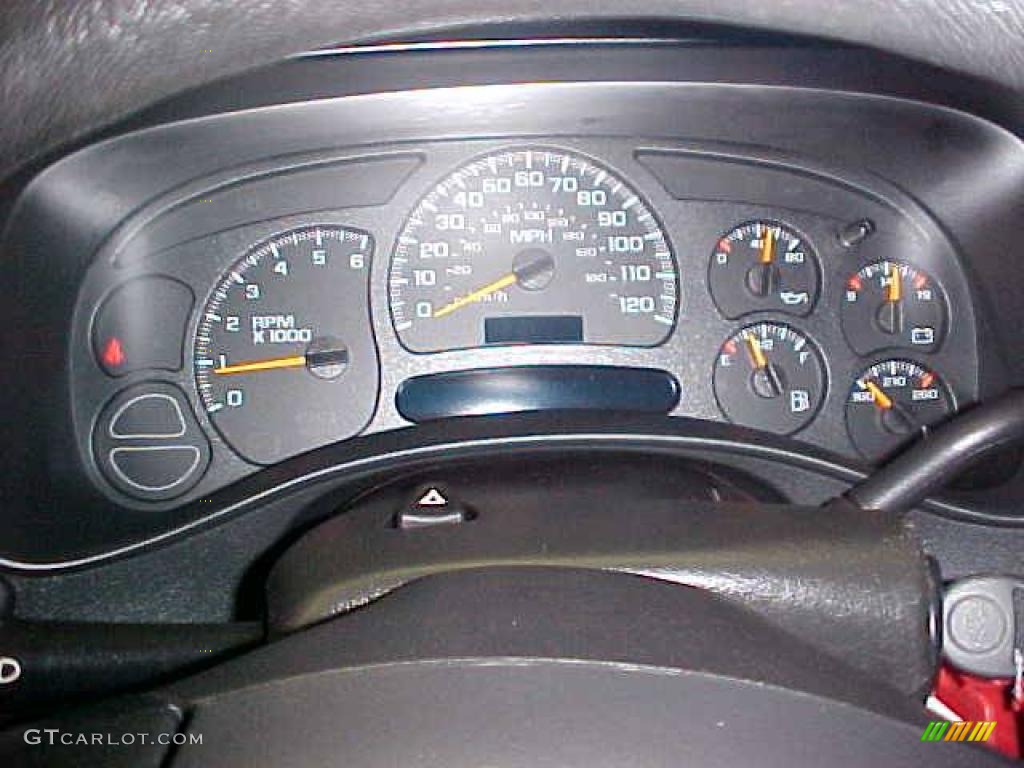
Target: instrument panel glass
532	246
284	356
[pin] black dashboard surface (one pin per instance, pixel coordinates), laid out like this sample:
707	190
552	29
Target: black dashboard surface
176	204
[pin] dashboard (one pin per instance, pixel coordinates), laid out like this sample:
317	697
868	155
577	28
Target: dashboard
474	278
241	291
581	337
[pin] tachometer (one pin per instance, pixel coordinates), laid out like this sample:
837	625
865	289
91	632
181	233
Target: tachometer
532	245
284	354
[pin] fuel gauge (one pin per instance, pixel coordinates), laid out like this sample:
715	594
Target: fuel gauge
891	403
761	266
769	376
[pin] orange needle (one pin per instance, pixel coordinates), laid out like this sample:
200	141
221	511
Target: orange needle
273	363
767	247
502	282
756	353
881	399
895	286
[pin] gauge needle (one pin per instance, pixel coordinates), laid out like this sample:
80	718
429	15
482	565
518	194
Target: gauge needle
767	247
881	399
890	314
757	355
895	286
766	380
502	282
895	418
296	361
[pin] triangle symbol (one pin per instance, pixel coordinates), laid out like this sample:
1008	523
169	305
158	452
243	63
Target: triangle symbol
432	498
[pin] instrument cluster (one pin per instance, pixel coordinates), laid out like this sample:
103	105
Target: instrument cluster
774	300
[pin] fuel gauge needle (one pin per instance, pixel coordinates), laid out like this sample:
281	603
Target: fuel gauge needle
766	381
757	355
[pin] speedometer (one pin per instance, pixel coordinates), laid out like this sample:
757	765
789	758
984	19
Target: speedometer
532	245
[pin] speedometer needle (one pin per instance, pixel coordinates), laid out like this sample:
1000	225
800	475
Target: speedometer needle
295	361
502	282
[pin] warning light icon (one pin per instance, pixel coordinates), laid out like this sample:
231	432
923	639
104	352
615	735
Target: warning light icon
113	353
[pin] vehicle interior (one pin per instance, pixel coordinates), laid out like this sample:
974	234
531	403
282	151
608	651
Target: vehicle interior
512	384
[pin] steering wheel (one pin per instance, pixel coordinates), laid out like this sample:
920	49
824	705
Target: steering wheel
523	623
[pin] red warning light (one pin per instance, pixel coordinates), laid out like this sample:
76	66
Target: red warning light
113	353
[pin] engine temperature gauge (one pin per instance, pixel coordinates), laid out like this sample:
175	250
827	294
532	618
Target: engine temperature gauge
891	403
769	376
763	266
892	304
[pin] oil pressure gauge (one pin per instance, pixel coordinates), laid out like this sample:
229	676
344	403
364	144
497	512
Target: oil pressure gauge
761	266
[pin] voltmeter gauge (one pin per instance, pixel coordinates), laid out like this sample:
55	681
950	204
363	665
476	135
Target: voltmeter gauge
761	266
892	304
891	403
769	376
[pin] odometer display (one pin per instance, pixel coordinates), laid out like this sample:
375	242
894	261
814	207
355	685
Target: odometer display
532	246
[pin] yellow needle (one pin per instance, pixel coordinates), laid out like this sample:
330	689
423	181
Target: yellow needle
263	365
756	353
767	247
895	286
881	399
487	290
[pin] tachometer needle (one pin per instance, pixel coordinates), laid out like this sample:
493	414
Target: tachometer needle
502	282
881	399
296	361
